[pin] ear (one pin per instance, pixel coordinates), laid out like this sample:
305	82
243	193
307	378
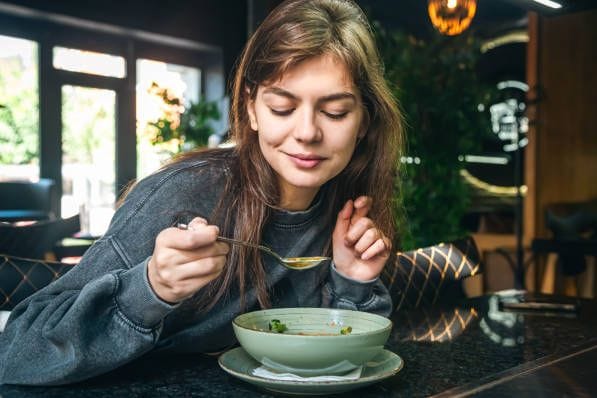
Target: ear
252	114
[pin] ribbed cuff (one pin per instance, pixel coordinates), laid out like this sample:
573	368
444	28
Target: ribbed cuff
137	300
350	289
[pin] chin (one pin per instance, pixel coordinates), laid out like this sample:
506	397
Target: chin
308	183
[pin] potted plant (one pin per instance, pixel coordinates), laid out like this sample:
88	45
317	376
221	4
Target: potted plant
188	125
437	85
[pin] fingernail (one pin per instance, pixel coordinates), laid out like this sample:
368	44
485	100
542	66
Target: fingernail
196	222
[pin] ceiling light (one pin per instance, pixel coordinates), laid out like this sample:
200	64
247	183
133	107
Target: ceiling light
549	3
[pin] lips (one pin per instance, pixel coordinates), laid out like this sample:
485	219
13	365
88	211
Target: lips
306	161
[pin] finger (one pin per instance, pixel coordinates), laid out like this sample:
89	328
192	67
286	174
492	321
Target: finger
194	269
377	248
367	239
362	205
177	238
343	220
196	222
181	256
357	230
183	289
192	285
388	243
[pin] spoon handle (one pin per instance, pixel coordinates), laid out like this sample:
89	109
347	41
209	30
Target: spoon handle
243	243
253	245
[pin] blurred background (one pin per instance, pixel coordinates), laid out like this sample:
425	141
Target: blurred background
499	98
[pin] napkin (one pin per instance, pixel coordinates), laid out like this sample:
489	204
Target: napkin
264	372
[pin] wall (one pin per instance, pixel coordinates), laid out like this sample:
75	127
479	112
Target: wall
561	164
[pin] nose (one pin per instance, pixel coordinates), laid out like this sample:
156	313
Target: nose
307	129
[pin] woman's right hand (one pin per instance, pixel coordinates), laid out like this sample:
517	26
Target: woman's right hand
184	261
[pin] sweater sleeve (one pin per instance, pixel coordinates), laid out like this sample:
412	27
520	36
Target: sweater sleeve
103	312
72	330
345	293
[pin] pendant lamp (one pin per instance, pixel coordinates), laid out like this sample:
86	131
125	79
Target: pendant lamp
451	17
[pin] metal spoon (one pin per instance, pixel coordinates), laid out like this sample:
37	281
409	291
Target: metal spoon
295	263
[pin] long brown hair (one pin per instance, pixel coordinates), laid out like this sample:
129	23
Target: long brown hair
294	31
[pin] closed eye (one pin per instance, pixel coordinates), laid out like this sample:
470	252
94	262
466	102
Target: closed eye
281	112
335	116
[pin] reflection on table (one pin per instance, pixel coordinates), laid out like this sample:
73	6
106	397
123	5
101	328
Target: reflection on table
473	345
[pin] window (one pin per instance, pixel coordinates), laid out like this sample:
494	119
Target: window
19	109
154	81
89	62
84	133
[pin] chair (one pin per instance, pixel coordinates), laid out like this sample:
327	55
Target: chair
21	277
37	239
421	276
25	200
574	238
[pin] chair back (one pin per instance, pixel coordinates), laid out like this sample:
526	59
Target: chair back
33	197
37	239
420	276
572	223
21	277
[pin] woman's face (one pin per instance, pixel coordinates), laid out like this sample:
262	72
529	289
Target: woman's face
308	123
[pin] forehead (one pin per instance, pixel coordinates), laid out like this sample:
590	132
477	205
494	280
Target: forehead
323	72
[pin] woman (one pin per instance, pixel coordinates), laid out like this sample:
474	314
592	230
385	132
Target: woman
317	134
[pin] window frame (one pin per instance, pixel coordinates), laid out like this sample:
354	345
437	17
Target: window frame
127	43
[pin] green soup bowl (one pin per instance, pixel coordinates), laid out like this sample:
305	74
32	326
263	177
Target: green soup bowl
311	341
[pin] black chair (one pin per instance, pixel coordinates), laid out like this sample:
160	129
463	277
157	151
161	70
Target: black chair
578	226
37	239
21	277
419	277
25	200
574	237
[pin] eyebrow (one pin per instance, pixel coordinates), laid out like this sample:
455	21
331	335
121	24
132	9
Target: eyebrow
332	97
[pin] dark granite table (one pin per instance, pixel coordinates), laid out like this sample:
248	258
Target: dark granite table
473	347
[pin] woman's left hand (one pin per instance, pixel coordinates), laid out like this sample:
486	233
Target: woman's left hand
360	249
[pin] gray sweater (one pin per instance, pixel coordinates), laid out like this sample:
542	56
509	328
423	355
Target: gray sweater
103	313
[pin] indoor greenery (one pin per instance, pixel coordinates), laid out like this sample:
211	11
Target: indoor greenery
190	125
437	85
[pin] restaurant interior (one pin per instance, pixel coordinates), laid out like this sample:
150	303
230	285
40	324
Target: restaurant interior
499	178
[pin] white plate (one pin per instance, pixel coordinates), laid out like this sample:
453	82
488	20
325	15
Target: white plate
240	364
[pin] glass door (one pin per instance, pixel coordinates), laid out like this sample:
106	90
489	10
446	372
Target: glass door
86	129
88	156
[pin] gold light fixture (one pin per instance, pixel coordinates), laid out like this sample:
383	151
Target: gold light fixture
451	17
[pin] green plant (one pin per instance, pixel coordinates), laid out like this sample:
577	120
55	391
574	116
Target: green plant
437	85
190	125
